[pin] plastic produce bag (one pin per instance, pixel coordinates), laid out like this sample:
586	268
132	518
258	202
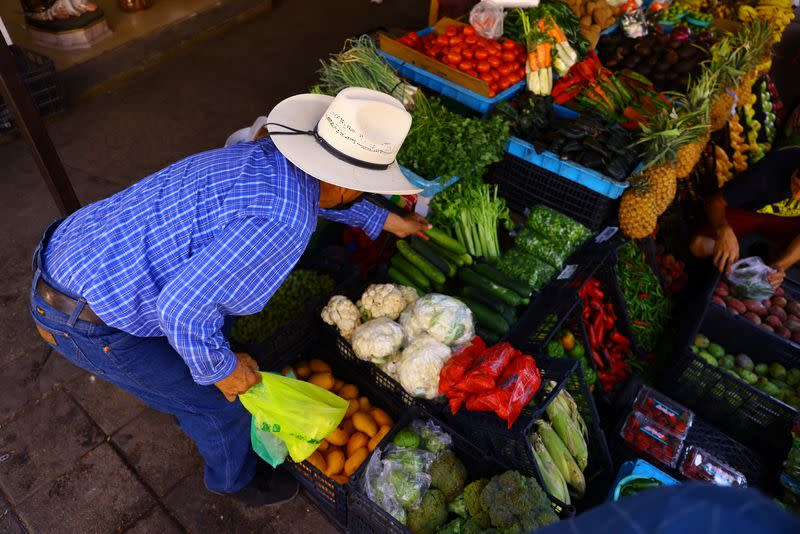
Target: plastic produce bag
557	227
459	363
526	268
487	19
487	368
537	245
299	413
267	445
447	319
634	23
516	387
748	277
432	437
398	480
420	364
379	491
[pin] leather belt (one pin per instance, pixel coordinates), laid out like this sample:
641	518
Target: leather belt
63	303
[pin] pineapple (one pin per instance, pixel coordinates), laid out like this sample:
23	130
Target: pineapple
637	211
664	187
723	166
696	107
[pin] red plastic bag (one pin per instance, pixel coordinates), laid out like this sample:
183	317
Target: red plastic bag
487	368
515	389
459	363
457	401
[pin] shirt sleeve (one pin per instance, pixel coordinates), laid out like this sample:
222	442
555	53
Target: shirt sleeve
235	275
364	215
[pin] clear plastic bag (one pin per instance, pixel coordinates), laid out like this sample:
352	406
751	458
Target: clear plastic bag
432	437
748	277
541	247
487	19
397	480
557	227
447	319
379	491
634	23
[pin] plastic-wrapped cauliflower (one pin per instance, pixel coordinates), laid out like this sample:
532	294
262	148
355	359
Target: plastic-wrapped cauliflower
420	364
445	318
389	365
378	339
382	300
343	314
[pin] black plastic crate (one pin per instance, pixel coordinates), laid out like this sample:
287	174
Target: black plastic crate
744	411
367	517
327	494
523	185
39	74
512	446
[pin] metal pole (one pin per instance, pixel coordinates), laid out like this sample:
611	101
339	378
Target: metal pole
18	99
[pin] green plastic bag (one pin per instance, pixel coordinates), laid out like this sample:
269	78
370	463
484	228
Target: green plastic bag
299	413
267	445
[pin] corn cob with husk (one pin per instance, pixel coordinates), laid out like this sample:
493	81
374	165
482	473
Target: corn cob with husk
574	412
568	431
552	478
562	458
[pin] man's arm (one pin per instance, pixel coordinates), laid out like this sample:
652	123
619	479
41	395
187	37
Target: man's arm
372	219
726	245
235	275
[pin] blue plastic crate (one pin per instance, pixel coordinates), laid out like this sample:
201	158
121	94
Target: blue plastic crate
588	178
639	469
471	99
429	187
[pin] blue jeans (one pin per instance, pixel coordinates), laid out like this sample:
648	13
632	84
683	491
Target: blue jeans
152	370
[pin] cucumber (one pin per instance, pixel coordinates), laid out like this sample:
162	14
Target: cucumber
396	276
479	295
466	258
420	263
487	318
445	241
510	315
470	277
415	275
491	273
446	255
428	253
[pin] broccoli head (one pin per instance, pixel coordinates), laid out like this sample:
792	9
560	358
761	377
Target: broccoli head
510	497
430	515
453	527
448	474
433	439
412	460
456	506
407	487
472	502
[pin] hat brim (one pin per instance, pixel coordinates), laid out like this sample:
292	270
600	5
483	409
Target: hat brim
303	112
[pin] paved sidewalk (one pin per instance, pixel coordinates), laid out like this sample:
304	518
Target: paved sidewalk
83	456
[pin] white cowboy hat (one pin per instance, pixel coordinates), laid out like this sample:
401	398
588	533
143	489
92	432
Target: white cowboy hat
351	140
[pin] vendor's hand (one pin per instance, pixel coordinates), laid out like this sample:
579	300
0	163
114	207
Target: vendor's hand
776	279
726	249
405	226
243	377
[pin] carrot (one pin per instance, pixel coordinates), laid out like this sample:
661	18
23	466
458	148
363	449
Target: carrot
532	62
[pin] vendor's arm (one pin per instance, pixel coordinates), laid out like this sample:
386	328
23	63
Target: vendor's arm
790	257
372	219
726	245
235	275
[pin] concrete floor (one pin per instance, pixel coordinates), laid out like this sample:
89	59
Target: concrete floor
84	456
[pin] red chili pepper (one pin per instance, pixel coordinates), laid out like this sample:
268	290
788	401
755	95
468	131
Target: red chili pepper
598	361
616	337
644	296
642	323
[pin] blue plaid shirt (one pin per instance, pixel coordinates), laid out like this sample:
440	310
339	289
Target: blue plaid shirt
212	235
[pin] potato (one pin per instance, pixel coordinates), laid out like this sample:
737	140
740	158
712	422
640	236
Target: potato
347	426
323	380
341	479
376	439
338	437
352	408
337	385
364	404
302	370
592	35
335	461
348	391
355	461
380	416
318	366
586	21
365	423
356	441
317	461
323	446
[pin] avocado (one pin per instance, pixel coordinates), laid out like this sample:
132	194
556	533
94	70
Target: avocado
715	350
776	370
695	349
749	376
761	369
771	389
701	341
793	377
728	362
780	383
744	361
709	359
792	400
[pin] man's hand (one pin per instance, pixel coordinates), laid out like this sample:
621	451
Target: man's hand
726	249
243	377
405	226
776	279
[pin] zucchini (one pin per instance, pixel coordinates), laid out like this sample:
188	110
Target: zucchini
396	276
479	295
489	319
470	277
415	275
420	263
446	255
491	273
445	241
437	261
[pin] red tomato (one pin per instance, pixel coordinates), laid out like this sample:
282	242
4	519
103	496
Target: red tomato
486	77
495	75
405	41
505	69
472	72
493	86
469	30
455	49
505	83
468	54
465	65
435	51
456	39
521	72
508	57
453	59
414	36
443	40
494	61
451	31
481	53
494	45
492	93
515	77
521	50
483	66
508	44
470	39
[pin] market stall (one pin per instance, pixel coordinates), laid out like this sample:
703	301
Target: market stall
550	344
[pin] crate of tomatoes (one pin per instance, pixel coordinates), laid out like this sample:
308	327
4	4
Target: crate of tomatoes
453	60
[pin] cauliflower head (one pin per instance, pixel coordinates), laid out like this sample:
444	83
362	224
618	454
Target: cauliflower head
410	294
378	339
382	300
447	319
420	364
343	314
